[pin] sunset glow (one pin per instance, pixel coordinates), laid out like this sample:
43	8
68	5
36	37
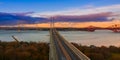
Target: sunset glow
72	24
82	15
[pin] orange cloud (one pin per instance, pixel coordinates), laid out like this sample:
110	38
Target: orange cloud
75	24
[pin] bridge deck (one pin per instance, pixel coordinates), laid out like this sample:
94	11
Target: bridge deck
64	50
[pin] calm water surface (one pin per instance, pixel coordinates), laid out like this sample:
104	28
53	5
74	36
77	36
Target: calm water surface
28	35
98	38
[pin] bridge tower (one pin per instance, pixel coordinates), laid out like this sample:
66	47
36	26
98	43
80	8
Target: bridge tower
20	25
115	28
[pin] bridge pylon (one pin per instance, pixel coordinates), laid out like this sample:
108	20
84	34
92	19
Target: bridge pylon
115	28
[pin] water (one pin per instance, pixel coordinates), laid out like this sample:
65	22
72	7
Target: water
28	35
98	38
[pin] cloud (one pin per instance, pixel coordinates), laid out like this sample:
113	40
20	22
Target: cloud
98	17
21	18
94	14
87	14
12	19
94	10
23	13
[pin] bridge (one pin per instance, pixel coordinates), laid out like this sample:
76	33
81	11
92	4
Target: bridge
61	49
114	28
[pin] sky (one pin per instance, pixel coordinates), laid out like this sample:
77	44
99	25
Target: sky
51	5
48	8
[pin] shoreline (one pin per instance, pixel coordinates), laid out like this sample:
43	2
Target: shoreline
70	42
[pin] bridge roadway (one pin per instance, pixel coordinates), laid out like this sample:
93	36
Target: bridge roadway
60	49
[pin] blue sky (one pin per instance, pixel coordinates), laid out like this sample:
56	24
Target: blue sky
11	6
74	10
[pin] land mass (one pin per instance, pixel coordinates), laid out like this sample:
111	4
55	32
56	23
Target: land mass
40	51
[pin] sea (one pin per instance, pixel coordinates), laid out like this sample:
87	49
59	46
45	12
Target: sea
97	38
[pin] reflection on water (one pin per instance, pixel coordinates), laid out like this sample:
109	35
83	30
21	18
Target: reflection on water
98	38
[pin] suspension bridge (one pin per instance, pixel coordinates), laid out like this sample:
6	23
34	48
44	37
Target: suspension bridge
61	49
114	28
